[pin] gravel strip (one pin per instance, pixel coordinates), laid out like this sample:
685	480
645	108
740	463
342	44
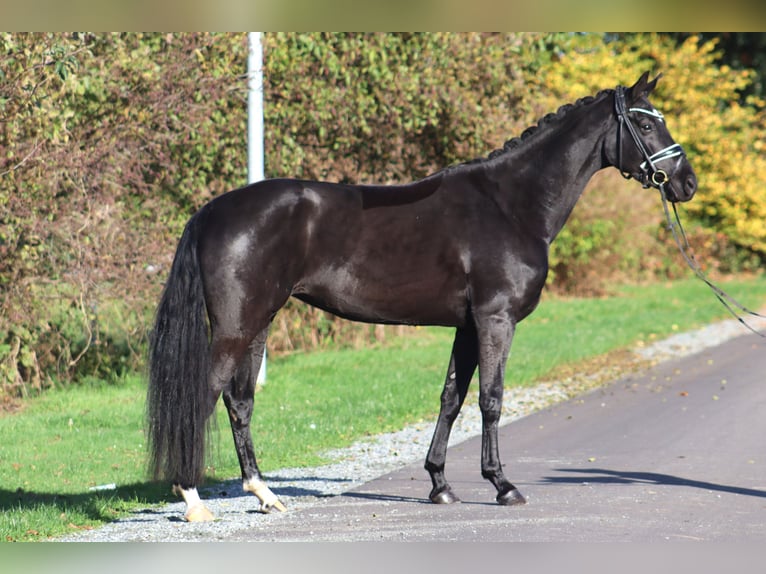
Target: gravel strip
303	487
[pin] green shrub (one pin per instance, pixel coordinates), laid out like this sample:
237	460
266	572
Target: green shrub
109	142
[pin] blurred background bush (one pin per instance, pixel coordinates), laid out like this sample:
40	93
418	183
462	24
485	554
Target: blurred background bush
110	142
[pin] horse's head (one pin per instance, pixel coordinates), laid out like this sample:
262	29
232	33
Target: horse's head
645	149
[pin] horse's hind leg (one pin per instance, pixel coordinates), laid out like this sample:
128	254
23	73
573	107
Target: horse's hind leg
461	368
238	398
229	357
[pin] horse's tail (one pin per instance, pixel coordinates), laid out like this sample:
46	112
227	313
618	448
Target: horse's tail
179	363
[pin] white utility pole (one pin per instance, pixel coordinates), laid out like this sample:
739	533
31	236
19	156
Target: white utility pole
255	153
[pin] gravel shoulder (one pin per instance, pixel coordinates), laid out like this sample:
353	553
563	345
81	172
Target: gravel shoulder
301	488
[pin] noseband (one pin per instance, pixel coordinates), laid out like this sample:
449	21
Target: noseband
652	176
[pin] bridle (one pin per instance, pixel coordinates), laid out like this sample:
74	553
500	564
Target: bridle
652	176
657	178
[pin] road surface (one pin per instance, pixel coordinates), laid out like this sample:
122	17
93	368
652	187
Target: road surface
674	453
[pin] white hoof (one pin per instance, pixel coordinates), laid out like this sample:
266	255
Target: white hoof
268	499
195	510
199	513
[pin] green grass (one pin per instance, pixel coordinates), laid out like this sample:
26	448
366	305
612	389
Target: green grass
67	441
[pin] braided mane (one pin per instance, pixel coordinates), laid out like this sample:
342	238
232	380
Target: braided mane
546	121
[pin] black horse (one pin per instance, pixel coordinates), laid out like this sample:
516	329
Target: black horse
466	247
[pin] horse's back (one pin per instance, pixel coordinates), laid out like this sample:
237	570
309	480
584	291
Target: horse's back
309	217
370	253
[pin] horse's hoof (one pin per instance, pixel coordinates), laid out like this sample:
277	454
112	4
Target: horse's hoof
199	513
268	499
511	498
275	505
445	496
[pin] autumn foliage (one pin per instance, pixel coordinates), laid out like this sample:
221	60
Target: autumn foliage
109	142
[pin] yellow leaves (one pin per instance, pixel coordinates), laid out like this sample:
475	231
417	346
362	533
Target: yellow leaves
723	137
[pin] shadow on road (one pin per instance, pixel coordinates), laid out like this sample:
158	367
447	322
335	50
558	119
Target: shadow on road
411	499
385	497
605	476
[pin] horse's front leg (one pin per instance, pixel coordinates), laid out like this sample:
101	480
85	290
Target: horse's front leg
461	368
495	337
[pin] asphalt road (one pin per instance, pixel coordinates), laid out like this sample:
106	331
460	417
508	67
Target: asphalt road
675	453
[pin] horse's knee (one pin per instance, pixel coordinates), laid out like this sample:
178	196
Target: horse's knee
491	408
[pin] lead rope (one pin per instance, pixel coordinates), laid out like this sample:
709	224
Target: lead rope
679	235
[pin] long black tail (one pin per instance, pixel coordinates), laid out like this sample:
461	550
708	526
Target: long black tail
179	363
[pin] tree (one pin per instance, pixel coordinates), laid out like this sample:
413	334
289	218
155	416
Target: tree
740	51
109	142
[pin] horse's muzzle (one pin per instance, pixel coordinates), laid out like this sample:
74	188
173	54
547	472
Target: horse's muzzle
680	190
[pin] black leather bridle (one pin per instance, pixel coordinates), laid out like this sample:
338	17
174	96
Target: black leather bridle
652	176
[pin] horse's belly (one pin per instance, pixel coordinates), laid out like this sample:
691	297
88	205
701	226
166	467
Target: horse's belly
426	301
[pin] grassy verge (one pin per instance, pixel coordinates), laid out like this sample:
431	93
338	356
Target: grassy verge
65	443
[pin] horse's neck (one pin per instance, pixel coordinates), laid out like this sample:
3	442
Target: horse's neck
540	182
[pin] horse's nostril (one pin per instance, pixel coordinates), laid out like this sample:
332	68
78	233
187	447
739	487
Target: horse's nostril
691	184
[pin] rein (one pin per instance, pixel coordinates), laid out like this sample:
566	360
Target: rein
683	246
657	178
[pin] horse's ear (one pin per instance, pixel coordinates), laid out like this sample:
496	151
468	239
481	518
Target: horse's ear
643	87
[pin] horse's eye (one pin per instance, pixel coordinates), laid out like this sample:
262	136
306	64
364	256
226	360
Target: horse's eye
646	126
